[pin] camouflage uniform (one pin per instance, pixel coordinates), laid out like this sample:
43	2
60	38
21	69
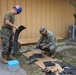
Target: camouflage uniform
6	34
49	41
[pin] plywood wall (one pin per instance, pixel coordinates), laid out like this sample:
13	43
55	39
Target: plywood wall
55	15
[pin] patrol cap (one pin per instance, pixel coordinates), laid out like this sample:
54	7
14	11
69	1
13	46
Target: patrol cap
42	30
18	8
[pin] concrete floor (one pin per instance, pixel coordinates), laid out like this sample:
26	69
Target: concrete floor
5	71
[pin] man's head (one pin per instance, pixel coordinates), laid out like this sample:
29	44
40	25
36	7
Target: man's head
43	31
17	9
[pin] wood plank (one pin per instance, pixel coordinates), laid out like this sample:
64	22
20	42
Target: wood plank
28	41
52	68
34	51
45	59
31	53
33	40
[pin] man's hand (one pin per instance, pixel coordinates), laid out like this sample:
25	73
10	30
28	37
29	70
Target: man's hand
44	47
16	27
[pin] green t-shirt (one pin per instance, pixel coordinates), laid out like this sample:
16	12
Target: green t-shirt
8	16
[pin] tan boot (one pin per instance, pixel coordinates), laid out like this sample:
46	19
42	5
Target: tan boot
4	59
10	57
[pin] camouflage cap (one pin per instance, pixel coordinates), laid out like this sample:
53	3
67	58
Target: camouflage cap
42	30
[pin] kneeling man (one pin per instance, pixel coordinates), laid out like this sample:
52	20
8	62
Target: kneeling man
47	41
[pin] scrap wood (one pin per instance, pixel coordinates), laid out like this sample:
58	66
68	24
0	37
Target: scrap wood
52	68
28	54
57	68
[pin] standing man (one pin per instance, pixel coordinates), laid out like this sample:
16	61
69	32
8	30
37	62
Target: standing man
6	33
47	41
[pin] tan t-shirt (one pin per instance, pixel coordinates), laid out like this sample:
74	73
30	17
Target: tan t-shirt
8	16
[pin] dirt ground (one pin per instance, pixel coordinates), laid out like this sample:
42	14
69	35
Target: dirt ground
66	53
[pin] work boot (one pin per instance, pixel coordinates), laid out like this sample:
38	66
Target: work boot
4	59
10	57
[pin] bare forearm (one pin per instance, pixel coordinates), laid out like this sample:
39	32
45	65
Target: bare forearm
10	24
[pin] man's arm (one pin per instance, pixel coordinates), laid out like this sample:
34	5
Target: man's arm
7	18
40	41
10	24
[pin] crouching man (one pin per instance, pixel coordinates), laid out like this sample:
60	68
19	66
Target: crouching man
47	42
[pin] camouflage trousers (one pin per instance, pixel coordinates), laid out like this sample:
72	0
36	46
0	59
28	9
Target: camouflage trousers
7	42
50	48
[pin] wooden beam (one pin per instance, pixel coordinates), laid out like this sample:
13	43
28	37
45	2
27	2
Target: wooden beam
28	41
32	40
